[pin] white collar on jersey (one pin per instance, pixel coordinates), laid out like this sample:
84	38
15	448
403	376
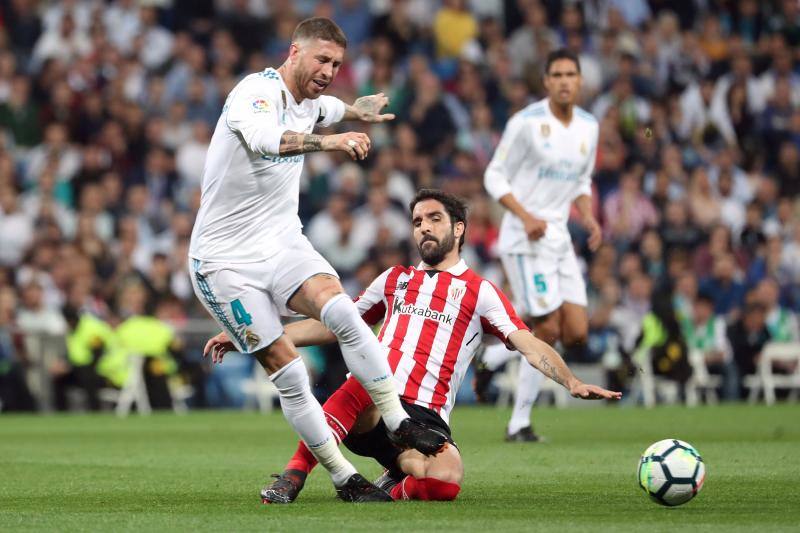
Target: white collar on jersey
456	270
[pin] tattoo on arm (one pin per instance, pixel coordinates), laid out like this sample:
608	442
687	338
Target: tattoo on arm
293	143
549	369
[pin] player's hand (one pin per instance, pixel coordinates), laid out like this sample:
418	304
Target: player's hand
356	144
368	108
595	234
585	391
534	227
217	346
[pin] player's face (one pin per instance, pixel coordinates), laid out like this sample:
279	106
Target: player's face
434	234
316	63
563	82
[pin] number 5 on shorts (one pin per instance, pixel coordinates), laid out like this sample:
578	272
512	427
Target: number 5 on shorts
241	316
540	283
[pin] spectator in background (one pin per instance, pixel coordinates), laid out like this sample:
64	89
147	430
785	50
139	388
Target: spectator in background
20	115
628	212
727	290
453	27
16	228
781	323
747	337
14	393
707	333
704	206
676	229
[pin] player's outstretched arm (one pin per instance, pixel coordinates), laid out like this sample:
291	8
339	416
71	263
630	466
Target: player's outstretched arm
368	109
309	332
355	144
540	355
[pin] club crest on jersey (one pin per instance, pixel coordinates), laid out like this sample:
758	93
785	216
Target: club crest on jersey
251	338
456	293
260	106
583	148
545	130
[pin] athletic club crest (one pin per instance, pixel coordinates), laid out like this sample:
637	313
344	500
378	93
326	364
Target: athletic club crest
545	130
456	293
583	148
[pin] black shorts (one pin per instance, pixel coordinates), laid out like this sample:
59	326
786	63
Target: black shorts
375	443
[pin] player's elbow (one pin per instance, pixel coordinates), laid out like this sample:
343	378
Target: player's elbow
495	184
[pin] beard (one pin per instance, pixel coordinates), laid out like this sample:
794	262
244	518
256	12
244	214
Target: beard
433	255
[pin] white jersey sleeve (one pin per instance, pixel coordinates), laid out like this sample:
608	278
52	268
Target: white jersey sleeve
497	315
585	179
253	111
371	304
331	110
507	159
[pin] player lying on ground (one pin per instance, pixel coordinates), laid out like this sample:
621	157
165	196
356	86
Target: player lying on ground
250	262
433	317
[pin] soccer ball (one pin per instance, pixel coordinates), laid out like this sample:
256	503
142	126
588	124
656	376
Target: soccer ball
671	472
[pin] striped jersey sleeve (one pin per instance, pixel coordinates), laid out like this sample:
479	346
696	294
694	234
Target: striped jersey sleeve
497	315
371	303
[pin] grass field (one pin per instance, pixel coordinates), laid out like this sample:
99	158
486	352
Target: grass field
202	472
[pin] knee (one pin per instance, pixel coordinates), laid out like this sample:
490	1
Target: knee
325	294
547	330
575	337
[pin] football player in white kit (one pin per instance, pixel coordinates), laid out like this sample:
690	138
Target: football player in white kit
251	264
542	166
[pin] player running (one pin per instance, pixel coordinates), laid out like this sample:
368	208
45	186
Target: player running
542	166
433	319
250	263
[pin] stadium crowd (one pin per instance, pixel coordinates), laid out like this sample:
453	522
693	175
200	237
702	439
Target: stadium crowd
106	111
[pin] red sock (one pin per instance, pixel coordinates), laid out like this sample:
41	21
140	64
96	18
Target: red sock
341	411
426	488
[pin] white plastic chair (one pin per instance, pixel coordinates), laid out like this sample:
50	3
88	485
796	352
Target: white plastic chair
259	390
765	379
134	391
701	384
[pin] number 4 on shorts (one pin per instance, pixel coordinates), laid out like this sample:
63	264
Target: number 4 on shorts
241	316
540	283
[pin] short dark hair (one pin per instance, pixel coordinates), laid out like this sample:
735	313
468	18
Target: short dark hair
456	207
320	28
561	53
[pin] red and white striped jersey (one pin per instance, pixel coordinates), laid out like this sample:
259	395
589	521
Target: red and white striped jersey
432	325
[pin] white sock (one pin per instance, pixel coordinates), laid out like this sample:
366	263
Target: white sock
305	415
364	357
530	382
496	355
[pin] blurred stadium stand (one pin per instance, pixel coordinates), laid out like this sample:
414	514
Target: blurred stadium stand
106	109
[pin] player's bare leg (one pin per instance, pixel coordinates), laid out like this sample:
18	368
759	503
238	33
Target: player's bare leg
303	412
427	478
574	324
322	297
520	429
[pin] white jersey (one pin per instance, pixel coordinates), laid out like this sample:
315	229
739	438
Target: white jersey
546	165
250	194
432	326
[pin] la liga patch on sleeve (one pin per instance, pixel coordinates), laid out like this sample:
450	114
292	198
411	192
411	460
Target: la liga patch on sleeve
260	106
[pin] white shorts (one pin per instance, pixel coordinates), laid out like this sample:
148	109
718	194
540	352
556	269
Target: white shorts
541	283
247	300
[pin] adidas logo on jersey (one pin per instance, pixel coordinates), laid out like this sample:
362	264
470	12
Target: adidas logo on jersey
423	312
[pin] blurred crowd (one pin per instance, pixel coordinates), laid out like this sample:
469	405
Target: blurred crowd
106	110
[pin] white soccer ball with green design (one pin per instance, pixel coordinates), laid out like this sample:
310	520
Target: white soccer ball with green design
671	472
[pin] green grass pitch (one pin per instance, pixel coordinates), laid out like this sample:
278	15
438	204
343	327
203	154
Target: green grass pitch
202	472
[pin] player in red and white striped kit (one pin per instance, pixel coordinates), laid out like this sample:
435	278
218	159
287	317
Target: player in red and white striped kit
433	319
